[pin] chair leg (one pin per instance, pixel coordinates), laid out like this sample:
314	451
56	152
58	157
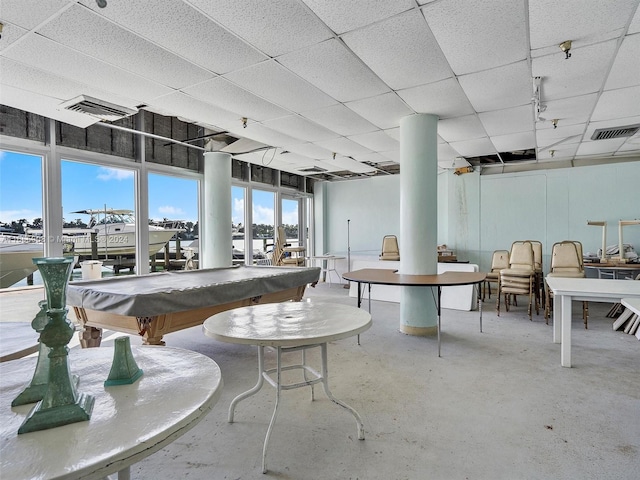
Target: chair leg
585	313
498	300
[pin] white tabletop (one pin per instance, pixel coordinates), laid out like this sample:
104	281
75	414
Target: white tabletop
594	289
287	324
128	422
632	304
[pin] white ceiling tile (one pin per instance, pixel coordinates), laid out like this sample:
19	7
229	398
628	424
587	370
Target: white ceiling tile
626	67
343	16
392	155
631	144
81	29
514	141
43	105
351	165
372	158
555	136
401	50
260	133
377	141
479	34
446	153
569	111
340	119
600	147
335	70
384	111
301	128
474	148
445	99
33	79
186	106
41	53
583	73
560	152
10	34
219	91
344	146
550	25
310	150
278	85
29	14
174	26
460	128
498	88
509	120
634	26
393	133
275	26
621	103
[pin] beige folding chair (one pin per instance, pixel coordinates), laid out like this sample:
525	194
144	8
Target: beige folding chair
390	250
499	260
519	278
566	261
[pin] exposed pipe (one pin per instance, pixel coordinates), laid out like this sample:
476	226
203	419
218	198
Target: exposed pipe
151	135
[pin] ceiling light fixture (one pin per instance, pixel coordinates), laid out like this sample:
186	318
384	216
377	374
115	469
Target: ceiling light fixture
554	122
552	153
566	47
244	122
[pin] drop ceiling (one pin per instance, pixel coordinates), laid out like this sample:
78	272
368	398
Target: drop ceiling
323	84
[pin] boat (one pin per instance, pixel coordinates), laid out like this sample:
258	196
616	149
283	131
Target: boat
16	257
115	233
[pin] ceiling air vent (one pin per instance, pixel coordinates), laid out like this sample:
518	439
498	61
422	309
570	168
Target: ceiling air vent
312	170
615	132
97	108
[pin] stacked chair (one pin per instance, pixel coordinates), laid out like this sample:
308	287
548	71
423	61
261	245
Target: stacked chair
519	277
566	261
499	260
538	281
390	249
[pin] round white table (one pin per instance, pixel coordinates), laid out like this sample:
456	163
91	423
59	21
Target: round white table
287	327
127	424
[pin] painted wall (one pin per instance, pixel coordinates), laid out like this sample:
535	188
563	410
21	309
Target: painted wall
478	214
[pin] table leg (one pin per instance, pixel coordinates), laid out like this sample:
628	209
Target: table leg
325	384
275	409
438	308
252	391
479	305
557	319
565	347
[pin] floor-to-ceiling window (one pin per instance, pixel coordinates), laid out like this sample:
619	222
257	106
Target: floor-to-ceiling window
99	200
263	214
173	207
20	210
290	211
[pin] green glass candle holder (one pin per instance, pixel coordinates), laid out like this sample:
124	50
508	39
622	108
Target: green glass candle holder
61	404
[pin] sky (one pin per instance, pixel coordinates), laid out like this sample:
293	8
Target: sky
88	186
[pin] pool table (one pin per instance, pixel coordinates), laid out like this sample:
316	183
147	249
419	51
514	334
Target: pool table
155	304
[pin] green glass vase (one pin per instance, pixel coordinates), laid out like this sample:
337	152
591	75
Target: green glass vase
61	403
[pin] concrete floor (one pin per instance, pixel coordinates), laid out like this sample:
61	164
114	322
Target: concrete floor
496	405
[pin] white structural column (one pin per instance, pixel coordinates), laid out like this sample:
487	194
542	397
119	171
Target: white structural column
418	219
215	232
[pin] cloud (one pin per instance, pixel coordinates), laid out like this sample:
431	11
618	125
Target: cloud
106	174
237	211
14	215
290	218
169	211
263	215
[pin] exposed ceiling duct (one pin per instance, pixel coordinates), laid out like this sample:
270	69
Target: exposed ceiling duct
100	109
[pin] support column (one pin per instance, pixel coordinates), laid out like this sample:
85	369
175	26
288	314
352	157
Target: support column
215	232
418	220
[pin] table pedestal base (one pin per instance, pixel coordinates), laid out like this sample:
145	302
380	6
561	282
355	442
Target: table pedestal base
311	377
